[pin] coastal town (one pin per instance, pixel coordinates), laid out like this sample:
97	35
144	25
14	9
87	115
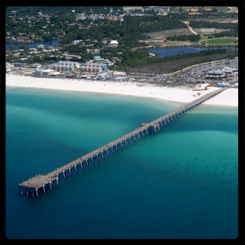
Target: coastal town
121	122
93	44
217	73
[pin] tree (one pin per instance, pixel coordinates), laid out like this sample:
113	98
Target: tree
23	46
12	47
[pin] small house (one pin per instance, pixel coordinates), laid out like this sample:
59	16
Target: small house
19	64
98	58
71	75
47	72
120	78
54	73
41	46
113	44
36	65
38	72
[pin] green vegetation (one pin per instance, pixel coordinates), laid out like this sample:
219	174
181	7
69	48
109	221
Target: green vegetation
62	10
232	28
77	50
221	41
138	58
206	24
171	64
191	38
230	33
97	26
128	33
49	23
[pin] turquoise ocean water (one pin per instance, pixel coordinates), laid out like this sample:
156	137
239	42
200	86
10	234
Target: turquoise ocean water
180	183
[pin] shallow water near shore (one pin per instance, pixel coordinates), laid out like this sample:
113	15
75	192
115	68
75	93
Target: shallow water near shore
180	183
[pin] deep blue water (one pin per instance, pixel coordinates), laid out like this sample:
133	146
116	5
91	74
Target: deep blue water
172	51
180	183
52	43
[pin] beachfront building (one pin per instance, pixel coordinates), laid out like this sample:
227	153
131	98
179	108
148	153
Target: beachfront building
216	74
88	67
48	72
231	72
8	67
70	75
227	72
119	73
67	66
39	72
102	76
120	78
45	72
93	67
54	74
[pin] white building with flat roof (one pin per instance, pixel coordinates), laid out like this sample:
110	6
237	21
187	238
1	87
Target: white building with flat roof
113	43
46	72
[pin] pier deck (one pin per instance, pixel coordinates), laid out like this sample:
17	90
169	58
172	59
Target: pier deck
40	183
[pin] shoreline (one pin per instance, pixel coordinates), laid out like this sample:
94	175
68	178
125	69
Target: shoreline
229	98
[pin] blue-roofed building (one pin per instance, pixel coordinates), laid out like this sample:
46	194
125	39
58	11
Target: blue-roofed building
98	58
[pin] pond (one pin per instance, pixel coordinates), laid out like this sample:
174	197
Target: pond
52	43
172	51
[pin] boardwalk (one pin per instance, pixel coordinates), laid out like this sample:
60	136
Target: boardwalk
41	183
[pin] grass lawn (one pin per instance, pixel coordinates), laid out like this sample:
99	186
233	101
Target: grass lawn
218	41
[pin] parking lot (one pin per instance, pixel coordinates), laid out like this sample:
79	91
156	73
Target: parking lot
197	74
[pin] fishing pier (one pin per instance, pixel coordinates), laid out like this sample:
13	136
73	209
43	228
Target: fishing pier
41	183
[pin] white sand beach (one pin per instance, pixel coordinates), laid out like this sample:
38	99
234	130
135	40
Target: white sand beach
177	94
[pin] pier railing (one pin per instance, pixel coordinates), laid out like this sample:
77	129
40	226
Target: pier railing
41	183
